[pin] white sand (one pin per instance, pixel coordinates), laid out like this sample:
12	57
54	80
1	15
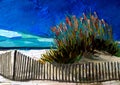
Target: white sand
36	54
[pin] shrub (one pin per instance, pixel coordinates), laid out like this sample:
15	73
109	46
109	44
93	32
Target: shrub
78	36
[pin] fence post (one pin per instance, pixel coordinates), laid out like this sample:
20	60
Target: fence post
14	64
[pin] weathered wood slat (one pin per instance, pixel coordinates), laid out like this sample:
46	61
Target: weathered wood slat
26	69
39	70
23	67
72	72
119	70
79	72
92	71
109	73
36	70
1	65
53	72
17	66
56	72
69	66
30	67
49	71
112	68
62	71
105	70
96	72
115	70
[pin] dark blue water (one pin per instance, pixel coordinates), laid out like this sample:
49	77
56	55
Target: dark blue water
35	17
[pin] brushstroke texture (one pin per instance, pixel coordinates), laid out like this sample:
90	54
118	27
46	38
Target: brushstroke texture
37	16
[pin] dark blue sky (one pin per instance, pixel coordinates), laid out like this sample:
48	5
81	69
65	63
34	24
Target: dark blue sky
37	16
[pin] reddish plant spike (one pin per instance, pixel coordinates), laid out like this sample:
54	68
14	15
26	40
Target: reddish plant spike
57	32
53	29
85	18
81	33
67	20
61	26
70	23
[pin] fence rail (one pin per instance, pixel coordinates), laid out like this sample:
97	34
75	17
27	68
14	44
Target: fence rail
23	68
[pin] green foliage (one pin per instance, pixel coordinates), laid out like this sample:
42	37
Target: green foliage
61	56
118	52
107	45
78	36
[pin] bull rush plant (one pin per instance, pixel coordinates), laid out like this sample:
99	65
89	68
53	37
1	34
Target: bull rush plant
76	37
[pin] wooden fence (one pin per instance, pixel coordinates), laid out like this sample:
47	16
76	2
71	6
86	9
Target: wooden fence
26	68
6	65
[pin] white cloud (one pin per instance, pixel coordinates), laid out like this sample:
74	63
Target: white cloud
9	34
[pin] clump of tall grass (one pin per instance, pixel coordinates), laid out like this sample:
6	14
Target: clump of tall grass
77	36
